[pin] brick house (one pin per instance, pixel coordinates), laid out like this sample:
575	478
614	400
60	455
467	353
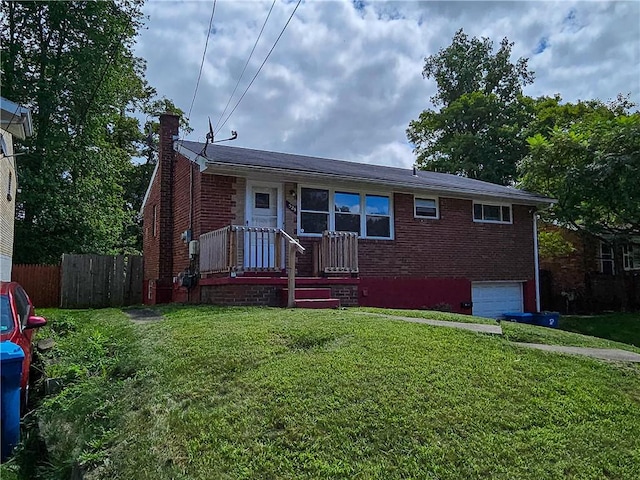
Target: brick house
221	224
594	276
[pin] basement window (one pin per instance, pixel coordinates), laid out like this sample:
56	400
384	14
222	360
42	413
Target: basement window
491	213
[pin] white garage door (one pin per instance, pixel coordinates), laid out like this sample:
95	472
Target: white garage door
491	300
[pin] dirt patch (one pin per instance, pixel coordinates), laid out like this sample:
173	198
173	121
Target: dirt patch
143	315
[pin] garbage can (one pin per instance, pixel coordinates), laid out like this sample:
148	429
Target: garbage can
520	317
547	319
11	357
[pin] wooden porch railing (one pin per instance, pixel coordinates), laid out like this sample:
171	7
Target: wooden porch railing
338	252
239	248
250	249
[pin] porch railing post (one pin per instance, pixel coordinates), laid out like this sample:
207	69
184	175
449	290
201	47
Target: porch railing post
291	274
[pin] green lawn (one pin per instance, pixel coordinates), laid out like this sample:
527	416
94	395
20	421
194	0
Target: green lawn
272	393
620	327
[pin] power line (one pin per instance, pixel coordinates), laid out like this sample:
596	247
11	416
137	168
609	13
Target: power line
204	53
245	66
259	69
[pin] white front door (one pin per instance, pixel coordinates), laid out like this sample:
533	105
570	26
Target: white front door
262	211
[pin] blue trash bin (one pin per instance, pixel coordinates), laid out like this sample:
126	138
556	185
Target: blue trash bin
11	358
547	319
520	317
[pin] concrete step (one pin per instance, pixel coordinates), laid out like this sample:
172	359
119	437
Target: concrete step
305	293
318	303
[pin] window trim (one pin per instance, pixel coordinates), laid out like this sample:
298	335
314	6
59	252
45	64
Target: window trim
492	204
630	254
425	197
602	258
363	215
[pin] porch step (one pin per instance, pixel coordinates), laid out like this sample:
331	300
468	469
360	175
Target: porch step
318	303
307	293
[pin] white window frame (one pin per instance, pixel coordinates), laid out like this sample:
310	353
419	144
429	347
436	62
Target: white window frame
631	256
425	197
492	204
363	214
602	258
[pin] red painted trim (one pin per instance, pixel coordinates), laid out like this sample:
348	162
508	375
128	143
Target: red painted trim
529	295
416	293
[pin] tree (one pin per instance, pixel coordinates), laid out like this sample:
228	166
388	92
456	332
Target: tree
480	129
72	63
591	164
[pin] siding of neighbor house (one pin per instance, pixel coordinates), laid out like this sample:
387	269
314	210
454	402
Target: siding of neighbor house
430	262
7	207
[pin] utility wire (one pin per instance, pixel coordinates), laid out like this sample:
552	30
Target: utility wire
204	53
245	66
259	69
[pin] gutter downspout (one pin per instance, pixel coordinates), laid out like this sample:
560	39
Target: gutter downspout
536	260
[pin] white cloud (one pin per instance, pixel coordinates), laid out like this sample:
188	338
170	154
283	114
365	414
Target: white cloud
345	82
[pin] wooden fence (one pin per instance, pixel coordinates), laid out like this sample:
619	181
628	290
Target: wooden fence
94	281
42	283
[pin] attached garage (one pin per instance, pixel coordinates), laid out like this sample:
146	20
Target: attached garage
492	299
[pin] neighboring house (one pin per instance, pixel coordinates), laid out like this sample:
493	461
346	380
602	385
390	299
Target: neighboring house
15	122
422	239
593	276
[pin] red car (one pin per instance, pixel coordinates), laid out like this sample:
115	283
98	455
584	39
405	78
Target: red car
18	321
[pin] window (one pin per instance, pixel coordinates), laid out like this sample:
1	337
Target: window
347	212
631	256
425	207
368	215
606	259
487	212
22	306
6	320
627	256
261	200
378	216
314	210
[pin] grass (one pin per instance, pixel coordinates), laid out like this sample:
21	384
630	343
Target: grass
95	358
619	327
273	393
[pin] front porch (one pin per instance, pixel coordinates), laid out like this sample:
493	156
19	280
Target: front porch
250	265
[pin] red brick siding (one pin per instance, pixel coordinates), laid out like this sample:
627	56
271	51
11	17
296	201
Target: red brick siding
181	211
347	294
452	246
218	201
569	271
158	256
242	294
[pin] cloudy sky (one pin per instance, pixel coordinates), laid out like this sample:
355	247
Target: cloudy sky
345	79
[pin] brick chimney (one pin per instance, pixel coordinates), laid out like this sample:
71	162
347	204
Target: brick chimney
158	219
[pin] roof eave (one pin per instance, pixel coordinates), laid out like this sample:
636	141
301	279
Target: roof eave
233	169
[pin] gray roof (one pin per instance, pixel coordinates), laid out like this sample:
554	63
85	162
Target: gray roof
225	156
